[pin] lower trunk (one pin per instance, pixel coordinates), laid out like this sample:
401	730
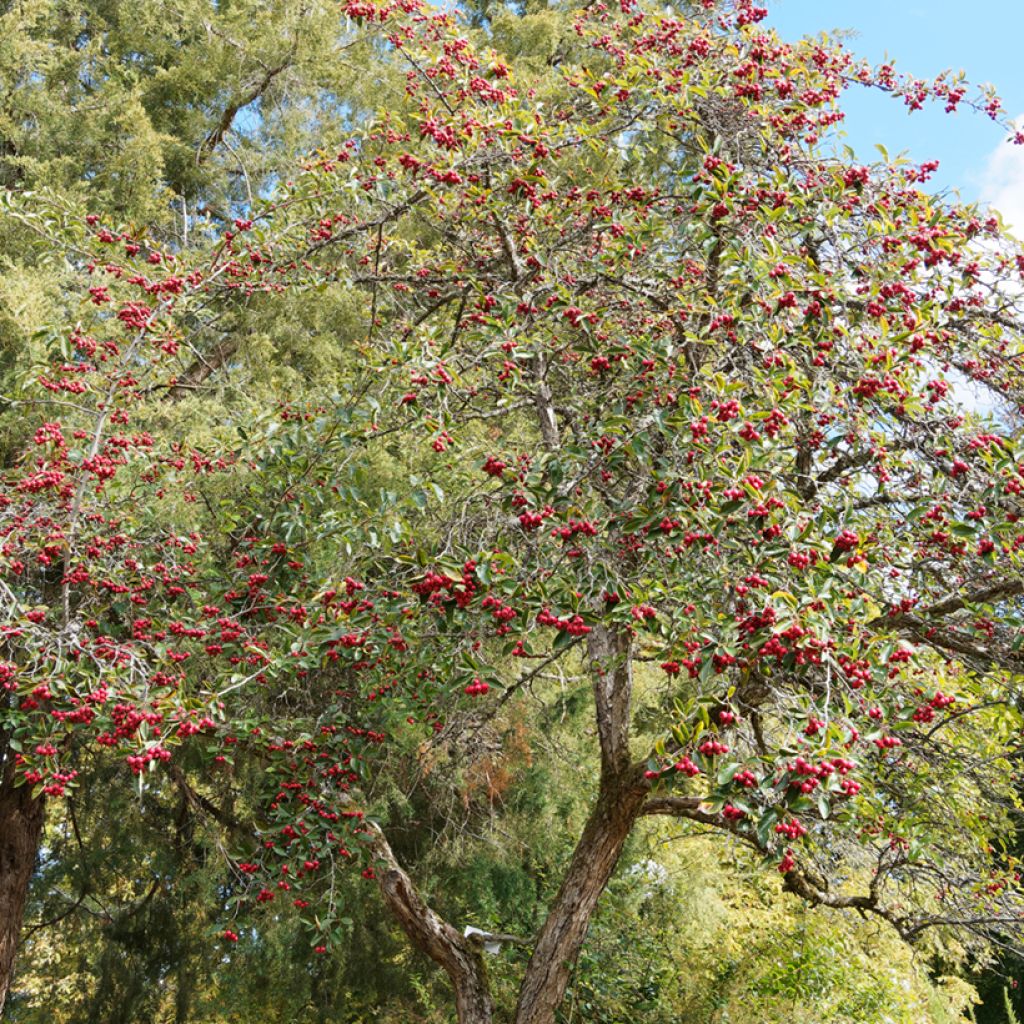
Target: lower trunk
21	826
473	1004
547	974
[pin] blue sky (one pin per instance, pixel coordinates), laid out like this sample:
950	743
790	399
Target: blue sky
985	38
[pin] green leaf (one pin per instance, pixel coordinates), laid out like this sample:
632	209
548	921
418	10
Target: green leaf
766	826
562	641
824	805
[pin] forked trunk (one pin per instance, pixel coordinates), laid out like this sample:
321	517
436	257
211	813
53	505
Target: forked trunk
21	826
620	800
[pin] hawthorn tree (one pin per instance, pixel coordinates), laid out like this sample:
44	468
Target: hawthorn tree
651	386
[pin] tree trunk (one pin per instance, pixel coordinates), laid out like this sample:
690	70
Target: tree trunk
21	826
620	799
558	945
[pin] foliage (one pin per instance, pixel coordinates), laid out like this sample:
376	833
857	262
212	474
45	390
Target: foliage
627	402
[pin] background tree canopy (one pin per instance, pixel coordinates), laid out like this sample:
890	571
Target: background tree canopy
497	469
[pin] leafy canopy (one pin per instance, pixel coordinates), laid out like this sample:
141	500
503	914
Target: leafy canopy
647	379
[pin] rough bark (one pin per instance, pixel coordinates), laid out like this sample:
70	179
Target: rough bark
431	934
21	826
610	651
620	800
546	408
561	937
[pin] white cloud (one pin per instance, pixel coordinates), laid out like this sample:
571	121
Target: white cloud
1002	184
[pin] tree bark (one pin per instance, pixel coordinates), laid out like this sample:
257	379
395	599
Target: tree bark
561	938
620	799
431	934
21	826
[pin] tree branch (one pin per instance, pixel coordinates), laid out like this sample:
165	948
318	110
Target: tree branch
459	956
